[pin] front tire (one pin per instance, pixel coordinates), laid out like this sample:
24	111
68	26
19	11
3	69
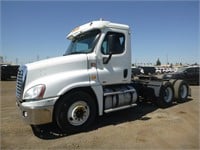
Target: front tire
75	112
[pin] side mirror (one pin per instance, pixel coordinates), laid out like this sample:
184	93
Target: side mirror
111	48
111	43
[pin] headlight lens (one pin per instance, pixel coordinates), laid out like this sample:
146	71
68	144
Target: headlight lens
36	92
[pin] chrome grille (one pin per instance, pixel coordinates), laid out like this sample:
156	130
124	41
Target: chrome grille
21	77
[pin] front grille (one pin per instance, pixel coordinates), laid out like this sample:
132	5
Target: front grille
21	77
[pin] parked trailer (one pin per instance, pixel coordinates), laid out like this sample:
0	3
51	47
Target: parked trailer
91	79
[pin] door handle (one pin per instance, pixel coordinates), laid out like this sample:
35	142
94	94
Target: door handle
125	73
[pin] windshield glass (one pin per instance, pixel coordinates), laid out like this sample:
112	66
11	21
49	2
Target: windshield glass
83	43
181	69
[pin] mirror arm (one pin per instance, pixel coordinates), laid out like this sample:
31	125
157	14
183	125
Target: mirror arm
106	60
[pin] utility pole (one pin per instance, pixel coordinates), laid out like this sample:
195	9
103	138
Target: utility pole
16	61
167	60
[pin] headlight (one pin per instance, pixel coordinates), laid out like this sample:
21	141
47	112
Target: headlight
36	92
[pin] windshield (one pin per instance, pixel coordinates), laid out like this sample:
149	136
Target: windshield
83	43
181	69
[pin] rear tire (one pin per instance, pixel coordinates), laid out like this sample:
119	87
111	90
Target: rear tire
181	91
75	112
166	95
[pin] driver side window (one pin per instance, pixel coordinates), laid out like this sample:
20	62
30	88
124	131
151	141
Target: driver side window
119	43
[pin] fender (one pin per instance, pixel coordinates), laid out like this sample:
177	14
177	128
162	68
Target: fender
96	89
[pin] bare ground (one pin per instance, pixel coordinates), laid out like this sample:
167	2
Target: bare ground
142	127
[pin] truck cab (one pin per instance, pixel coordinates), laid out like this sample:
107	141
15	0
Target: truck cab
98	57
107	47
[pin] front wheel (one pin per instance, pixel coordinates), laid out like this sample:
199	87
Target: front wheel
75	112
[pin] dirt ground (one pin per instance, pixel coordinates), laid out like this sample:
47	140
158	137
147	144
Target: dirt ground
142	127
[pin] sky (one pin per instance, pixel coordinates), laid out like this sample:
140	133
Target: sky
35	30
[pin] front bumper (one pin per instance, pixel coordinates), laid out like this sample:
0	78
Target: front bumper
37	112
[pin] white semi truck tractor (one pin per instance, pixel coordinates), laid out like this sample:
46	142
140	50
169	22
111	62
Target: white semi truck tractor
92	78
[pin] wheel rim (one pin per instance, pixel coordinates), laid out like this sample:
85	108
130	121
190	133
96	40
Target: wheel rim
168	94
183	91
78	113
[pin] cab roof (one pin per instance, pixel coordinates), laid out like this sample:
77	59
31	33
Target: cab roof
95	25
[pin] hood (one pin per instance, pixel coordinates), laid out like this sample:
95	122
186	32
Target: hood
55	65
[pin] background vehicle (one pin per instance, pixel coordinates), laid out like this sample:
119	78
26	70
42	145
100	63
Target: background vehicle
148	70
9	71
135	71
91	79
189	74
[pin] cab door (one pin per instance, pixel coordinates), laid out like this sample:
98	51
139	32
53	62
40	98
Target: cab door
114	61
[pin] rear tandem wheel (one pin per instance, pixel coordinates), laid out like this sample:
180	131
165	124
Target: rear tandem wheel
166	95
181	91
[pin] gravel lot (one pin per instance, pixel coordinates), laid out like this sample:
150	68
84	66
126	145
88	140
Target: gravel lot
142	127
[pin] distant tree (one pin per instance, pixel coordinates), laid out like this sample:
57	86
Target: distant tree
158	63
195	64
